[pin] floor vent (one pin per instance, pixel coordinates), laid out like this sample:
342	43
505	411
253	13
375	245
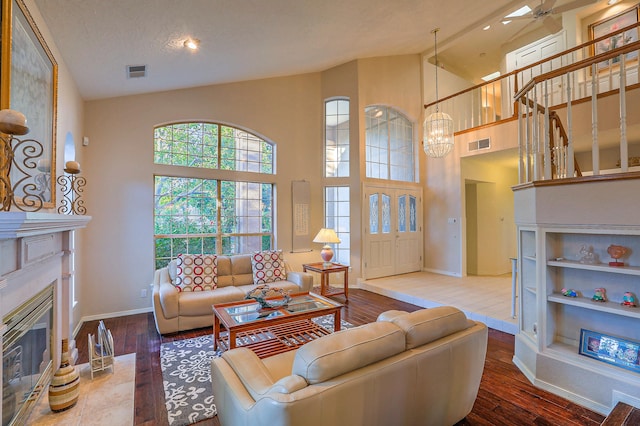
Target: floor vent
136	71
480	144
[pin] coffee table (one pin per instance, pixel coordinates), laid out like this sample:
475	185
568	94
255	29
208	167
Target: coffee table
272	331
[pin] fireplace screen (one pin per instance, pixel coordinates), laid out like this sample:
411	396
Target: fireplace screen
26	357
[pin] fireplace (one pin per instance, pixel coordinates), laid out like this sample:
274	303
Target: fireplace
35	306
26	356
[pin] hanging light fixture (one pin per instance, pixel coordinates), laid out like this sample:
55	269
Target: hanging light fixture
437	127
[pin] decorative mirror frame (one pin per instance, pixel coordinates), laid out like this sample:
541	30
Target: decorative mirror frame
29	84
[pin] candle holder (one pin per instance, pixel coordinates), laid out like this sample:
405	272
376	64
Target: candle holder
72	187
31	187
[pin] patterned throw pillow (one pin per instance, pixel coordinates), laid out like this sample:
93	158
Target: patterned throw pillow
267	266
196	272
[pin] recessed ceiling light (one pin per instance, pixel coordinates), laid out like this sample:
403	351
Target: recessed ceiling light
486	28
612	2
505	22
522	11
491	76
192	43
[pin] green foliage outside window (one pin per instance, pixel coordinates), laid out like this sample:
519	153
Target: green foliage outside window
194	215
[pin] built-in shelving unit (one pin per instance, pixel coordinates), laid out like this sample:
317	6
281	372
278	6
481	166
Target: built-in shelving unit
555	231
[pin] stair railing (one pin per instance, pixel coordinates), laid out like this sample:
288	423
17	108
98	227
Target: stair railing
540	158
491	102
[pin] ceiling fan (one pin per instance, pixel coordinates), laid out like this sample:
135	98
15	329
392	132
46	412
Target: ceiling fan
544	12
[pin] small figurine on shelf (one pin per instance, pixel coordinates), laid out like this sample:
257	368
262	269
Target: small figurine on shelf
588	256
569	292
629	299
600	295
616	252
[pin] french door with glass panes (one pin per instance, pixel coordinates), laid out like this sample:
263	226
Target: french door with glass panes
392	231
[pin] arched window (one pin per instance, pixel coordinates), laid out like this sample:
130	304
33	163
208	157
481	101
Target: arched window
390	153
336	137
212	146
201	215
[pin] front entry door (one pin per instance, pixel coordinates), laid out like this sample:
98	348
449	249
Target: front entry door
392	231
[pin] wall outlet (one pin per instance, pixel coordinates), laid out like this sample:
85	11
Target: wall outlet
143	292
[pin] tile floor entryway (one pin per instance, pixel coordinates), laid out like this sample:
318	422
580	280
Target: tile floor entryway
482	298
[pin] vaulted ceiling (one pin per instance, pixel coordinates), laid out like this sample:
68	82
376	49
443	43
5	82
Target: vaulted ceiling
251	39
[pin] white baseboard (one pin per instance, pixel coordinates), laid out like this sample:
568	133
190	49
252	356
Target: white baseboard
110	315
438	271
618	396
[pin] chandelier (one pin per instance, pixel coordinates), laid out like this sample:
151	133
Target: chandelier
437	127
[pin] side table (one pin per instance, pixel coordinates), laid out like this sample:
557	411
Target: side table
325	271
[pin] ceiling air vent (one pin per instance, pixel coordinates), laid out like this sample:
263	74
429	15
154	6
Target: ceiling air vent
136	71
480	144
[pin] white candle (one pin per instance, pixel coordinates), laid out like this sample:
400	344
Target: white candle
72	167
13	122
44	165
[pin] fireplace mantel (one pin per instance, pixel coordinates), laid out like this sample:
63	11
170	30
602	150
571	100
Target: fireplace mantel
23	224
36	252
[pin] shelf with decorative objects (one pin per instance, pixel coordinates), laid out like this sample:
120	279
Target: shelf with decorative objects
579	267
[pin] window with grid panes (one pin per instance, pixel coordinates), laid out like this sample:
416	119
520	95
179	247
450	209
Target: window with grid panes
336	133
389	147
337	214
195	215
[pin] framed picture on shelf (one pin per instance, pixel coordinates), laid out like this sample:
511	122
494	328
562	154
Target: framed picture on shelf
612	350
610	25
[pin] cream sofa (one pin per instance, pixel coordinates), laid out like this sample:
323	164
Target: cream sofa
178	311
419	368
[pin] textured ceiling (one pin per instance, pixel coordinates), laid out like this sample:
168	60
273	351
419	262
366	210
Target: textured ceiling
251	39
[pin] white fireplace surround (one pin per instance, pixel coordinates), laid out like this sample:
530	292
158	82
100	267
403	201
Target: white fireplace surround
35	253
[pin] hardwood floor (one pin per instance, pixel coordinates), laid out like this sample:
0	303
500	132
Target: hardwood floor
505	398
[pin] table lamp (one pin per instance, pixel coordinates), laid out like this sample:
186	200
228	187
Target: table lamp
326	236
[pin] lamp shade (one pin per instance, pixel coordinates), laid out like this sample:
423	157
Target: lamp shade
438	135
326	236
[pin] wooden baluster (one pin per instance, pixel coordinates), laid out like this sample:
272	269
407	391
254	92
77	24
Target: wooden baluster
624	149
536	136
521	150
595	149
570	157
547	138
527	140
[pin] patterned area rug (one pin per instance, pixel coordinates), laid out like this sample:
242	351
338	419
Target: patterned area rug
186	376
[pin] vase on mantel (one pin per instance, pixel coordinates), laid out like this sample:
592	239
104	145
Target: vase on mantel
65	383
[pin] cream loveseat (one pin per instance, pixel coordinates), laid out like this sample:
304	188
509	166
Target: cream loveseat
176	310
419	368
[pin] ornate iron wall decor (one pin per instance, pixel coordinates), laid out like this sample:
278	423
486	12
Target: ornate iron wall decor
72	187
32	191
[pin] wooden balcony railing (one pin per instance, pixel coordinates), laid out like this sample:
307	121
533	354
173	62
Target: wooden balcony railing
493	101
534	95
545	159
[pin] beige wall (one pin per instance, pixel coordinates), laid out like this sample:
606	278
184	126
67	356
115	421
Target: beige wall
444	198
120	170
342	81
288	111
391	81
494	239
70	117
